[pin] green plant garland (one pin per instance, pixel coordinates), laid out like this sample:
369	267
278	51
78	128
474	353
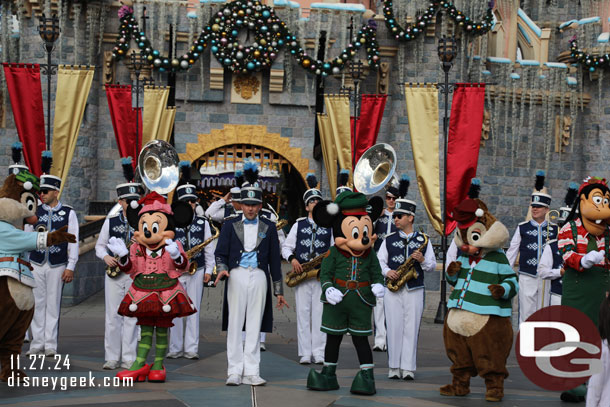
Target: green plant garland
588	61
221	34
414	30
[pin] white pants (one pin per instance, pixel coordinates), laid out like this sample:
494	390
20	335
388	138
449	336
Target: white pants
534	294
311	340
246	295
555	299
263	336
47	303
404	310
379	317
187	339
120	333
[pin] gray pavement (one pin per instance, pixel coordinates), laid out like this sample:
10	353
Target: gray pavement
201	382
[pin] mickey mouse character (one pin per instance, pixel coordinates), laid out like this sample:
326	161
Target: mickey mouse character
154	262
351	279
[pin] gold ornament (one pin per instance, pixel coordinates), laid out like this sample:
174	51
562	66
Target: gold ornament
246	85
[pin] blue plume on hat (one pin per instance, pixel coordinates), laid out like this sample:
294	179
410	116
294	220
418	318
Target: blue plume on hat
127	164
239	178
251	171
185	170
403	185
312	181
571	194
16	150
47	161
539	180
343	177
475	188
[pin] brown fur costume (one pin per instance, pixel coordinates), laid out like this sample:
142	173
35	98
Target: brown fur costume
17	299
477	344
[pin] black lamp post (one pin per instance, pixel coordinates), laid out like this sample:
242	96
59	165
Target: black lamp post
447	49
48	29
137	63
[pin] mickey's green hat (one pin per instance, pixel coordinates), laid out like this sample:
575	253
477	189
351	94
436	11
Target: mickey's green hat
352	203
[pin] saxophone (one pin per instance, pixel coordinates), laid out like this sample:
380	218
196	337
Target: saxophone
114	271
406	271
194	251
311	269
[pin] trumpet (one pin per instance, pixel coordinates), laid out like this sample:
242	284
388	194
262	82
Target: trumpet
281	223
194	251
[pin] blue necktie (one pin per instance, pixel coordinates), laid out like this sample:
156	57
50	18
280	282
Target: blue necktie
250	222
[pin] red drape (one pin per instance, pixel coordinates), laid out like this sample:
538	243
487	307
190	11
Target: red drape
465	128
371	113
123	120
23	83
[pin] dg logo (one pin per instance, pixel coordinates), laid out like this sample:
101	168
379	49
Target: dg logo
536	198
189	190
132	190
251	194
15	171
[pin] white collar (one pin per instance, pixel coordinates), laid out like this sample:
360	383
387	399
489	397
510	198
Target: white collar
404	235
53	209
534	223
158	251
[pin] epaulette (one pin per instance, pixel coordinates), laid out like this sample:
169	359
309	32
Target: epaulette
524	222
300	219
390	234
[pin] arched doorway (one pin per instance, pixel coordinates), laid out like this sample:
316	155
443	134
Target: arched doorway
217	155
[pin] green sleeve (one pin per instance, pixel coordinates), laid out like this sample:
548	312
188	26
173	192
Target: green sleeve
375	269
327	271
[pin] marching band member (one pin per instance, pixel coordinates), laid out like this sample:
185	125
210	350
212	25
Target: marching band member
383	227
527	242
306	241
52	266
120	333
219	210
551	262
342	181
248	256
184	335
404	308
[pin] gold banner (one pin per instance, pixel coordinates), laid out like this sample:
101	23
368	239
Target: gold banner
337	107
422	110
155	102
328	152
73	85
167	124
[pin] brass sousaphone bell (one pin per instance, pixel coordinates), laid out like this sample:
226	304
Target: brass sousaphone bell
375	169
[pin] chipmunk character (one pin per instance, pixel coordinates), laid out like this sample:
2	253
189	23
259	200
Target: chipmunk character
154	261
351	279
478	333
18	202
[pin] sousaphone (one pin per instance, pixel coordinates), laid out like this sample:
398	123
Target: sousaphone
375	169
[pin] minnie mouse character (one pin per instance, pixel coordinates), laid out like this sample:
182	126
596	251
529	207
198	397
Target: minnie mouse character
351	279
154	262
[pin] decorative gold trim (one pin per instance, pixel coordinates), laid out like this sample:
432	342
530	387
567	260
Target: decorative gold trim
247	134
217	79
276	80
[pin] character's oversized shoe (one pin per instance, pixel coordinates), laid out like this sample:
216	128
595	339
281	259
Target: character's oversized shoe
575	395
137	375
453	390
494	394
324	381
364	383
157	376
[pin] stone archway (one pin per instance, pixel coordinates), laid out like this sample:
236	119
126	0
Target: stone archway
247	134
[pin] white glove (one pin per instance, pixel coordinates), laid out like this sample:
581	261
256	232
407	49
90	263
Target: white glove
378	290
333	296
592	258
172	248
117	247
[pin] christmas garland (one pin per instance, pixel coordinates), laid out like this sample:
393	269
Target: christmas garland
221	35
414	30
591	62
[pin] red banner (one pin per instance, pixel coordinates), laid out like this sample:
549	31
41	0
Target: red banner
465	128
123	120
371	113
23	83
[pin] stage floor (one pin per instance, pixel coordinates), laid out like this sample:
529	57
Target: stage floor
202	382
